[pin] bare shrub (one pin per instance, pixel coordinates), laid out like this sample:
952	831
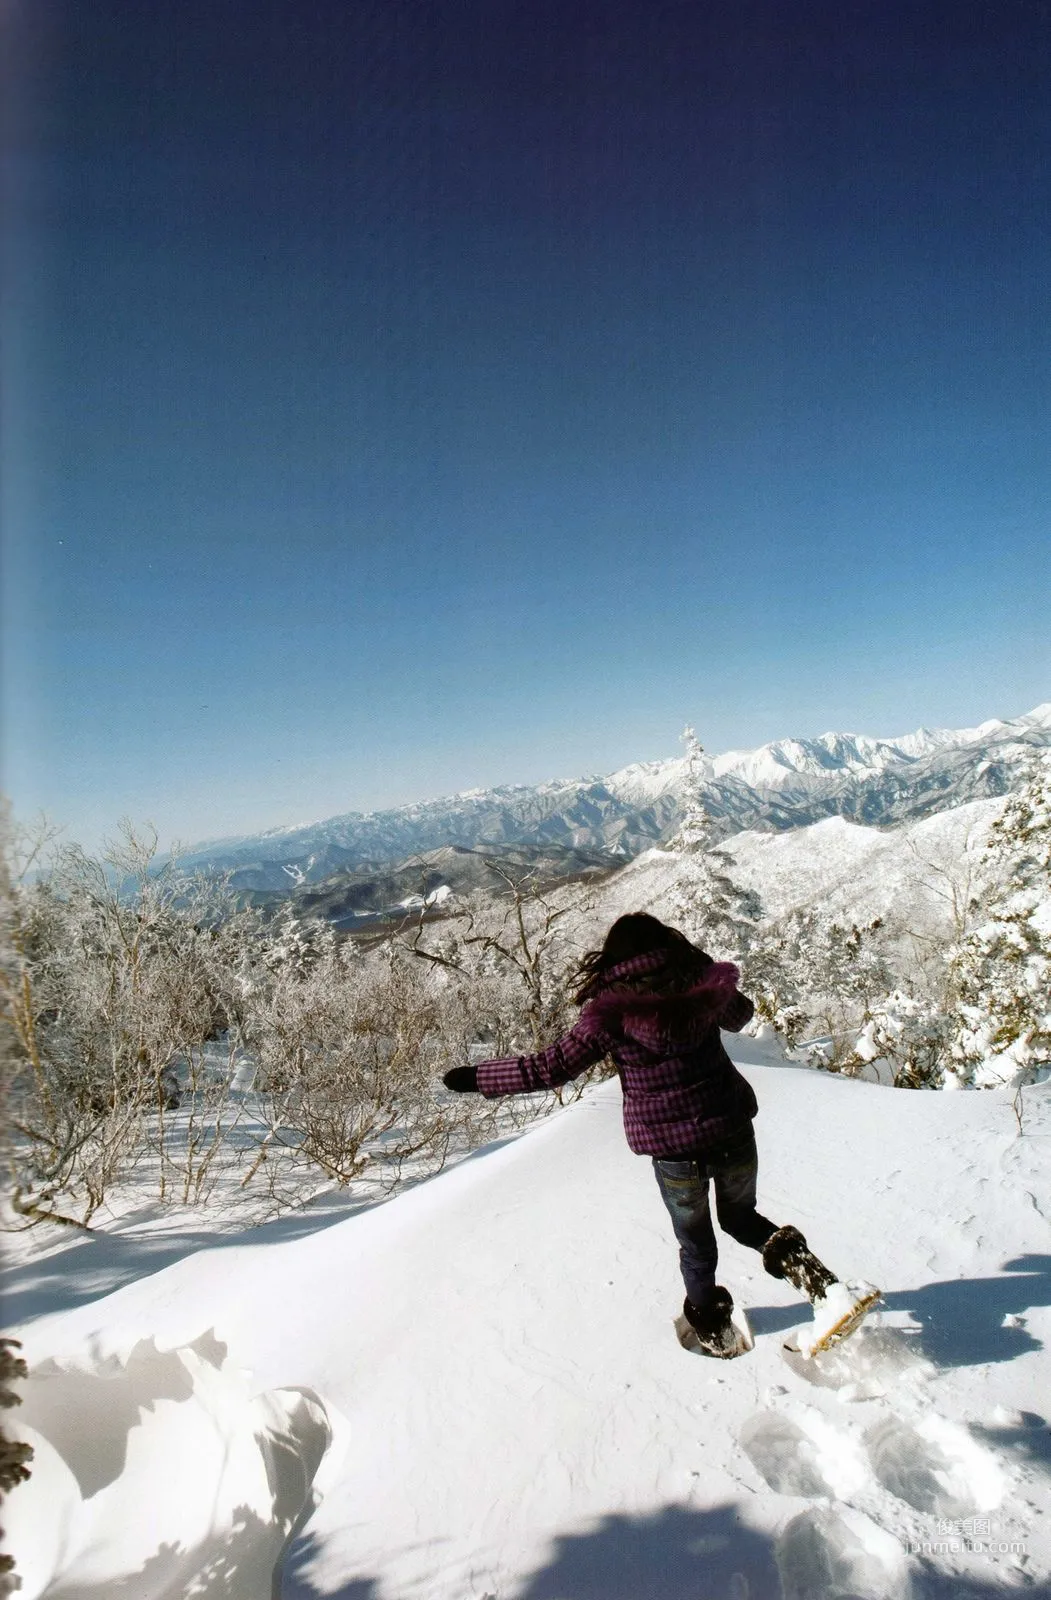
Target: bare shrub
110	979
507	962
348	1053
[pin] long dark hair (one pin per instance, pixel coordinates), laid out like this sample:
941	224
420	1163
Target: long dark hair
638	934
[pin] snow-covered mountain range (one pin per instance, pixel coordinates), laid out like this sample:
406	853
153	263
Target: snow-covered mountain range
788	784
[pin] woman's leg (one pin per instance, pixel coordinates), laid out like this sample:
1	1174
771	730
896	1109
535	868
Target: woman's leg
784	1250
735	1192
684	1190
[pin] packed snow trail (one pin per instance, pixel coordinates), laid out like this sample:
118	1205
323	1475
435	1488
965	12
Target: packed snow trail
492	1357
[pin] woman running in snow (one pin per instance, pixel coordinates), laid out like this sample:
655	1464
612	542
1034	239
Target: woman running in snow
655	1003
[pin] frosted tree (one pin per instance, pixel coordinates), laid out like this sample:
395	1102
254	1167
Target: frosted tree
1000	973
819	983
908	1037
515	942
694	832
114	975
295	945
706	903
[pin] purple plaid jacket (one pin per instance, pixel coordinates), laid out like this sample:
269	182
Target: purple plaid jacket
682	1093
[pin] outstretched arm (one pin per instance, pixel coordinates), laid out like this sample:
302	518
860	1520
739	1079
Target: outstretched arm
567	1058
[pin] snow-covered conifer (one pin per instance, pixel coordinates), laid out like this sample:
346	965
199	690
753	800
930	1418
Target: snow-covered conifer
295	945
1000	972
907	1036
817	982
706	903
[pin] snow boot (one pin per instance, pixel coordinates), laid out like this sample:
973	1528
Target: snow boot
787	1255
716	1334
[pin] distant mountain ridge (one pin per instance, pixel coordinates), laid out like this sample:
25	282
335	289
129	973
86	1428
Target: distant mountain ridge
787	784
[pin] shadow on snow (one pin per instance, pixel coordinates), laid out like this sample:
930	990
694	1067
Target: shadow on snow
685	1553
962	1320
95	1264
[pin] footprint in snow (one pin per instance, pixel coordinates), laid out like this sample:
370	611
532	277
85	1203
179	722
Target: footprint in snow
935	1467
806	1457
840	1555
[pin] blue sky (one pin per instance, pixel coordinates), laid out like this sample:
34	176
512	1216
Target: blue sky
413	396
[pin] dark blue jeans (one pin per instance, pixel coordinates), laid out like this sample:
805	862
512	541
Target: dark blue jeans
683	1184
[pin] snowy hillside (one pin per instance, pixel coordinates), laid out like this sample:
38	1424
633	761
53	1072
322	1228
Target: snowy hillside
481	1379
904	875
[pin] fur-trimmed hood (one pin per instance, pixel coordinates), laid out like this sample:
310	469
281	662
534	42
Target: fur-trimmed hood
637	1006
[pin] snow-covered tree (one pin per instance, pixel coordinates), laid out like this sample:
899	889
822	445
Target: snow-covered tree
904	1038
108	982
706	903
513	949
1000	972
294	945
817	982
15	1455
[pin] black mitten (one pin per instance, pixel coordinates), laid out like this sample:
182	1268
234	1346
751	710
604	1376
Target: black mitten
462	1080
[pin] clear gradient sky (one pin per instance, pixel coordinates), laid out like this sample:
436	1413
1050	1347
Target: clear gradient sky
409	395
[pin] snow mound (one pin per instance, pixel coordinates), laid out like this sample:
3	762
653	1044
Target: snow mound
840	1555
161	1475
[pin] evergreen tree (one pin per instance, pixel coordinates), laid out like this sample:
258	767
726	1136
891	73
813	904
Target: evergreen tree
706	903
909	1035
14	1455
1000	973
818	983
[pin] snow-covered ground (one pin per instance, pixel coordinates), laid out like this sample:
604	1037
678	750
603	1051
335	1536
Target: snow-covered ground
479	1385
